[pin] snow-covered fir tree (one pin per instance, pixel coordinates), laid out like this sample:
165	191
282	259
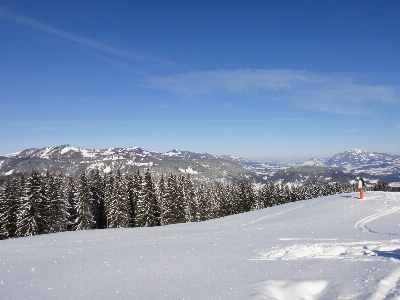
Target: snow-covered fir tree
191	203
9	207
174	209
118	204
108	196
147	205
3	215
203	207
137	199
132	198
97	185
246	197
71	194
162	197
83	204
58	210
38	208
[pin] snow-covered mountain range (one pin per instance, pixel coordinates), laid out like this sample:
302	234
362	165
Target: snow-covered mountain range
371	165
348	164
73	160
341	167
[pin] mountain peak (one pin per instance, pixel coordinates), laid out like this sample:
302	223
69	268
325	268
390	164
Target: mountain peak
358	151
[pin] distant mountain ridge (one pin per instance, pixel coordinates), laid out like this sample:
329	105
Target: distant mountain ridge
348	165
372	165
341	167
74	160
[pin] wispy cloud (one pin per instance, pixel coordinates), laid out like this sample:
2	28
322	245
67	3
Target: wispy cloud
351	131
308	90
30	22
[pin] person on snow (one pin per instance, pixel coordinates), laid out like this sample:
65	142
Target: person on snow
361	185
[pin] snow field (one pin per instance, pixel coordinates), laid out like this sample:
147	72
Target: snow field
334	247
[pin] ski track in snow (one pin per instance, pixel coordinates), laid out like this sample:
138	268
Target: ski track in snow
388	287
362	224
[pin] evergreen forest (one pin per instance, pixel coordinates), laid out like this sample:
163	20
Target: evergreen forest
55	202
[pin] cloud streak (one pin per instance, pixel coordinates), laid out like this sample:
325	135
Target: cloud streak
303	89
30	22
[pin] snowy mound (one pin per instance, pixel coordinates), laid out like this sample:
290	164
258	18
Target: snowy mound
334	247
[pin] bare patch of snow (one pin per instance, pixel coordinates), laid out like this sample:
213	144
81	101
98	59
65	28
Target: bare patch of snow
69	148
189	170
9	172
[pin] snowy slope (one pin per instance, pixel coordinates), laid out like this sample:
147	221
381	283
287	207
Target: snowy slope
334	247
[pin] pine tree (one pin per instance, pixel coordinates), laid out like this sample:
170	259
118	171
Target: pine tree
179	204
203	206
162	198
245	197
191	203
148	212
51	194
140	206
118	210
34	223
212	202
108	196
60	204
174	210
83	204
252	199
234	199
22	200
137	199
96	183
295	194
130	185
3	215
150	196
71	200
10	203
223	205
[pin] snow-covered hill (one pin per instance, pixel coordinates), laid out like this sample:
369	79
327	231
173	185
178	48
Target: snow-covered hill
355	163
372	165
73	160
334	247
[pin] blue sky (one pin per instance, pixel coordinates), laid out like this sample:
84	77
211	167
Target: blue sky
258	79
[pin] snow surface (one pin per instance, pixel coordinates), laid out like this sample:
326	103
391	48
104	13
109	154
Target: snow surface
334	247
9	172
68	148
189	170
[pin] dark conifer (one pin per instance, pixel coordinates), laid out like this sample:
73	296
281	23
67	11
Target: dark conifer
191	203
83	204
3	215
118	205
29	218
96	183
71	194
10	205
162	198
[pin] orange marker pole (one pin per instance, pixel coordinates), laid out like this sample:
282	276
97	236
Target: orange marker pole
361	194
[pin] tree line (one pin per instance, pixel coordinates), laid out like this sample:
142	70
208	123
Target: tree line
54	202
